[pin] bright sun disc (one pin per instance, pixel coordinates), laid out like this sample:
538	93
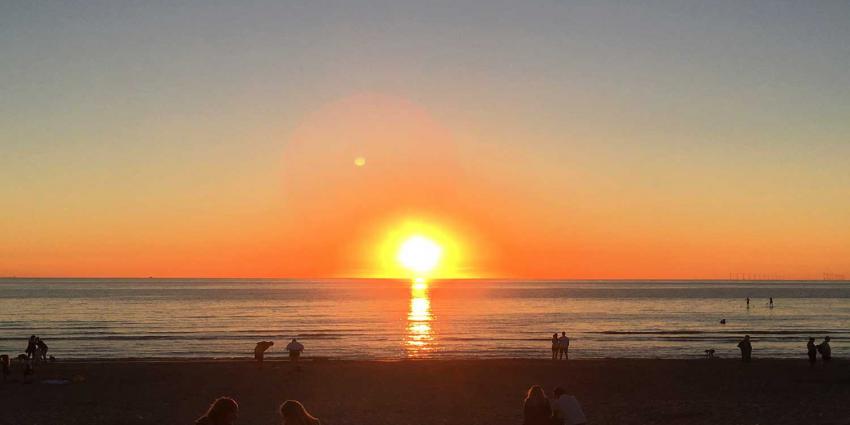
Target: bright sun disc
419	254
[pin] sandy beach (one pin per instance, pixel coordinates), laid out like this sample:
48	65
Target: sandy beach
434	392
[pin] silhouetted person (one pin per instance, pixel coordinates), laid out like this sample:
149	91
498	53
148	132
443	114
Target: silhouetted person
566	410
564	346
295	348
6	366
825	350
41	349
536	409
771	302
812	351
556	346
31	347
748	302
223	411
260	350
746	349
294	413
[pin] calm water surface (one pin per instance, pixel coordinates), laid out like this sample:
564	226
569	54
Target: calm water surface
380	319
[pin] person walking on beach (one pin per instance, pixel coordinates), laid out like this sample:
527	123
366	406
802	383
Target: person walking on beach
556	346
566	410
746	349
812	351
564	346
223	411
536	409
260	350
771	302
295	348
825	350
748	302
294	413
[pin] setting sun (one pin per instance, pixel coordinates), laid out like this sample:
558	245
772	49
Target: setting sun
419	254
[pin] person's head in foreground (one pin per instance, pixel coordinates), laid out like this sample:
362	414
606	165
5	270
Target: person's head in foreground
558	392
294	413
826	339
223	411
535	393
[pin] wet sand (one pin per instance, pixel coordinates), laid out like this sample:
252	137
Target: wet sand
435	392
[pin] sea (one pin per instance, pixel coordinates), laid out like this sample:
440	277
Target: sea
439	319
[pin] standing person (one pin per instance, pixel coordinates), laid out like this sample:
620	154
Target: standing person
295	348
556	346
294	413
746	349
825	350
31	346
6	365
812	351
566	410
41	349
260	350
771	302
564	345
223	411
748	302
536	410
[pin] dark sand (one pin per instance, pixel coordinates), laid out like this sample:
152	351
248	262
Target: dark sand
436	392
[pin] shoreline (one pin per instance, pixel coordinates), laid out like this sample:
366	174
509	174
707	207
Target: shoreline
488	391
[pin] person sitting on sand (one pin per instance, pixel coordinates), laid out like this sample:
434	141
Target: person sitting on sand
564	343
566	410
825	350
556	346
746	349
295	348
223	411
294	413
260	350
812	351
536	410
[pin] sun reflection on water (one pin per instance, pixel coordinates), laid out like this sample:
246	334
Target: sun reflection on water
420	336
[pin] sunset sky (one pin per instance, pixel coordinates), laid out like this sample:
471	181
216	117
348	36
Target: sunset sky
550	139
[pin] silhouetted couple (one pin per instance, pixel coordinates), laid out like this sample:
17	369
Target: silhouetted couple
563	409
225	410
36	349
560	346
823	348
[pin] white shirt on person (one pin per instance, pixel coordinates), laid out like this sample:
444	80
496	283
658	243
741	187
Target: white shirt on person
566	407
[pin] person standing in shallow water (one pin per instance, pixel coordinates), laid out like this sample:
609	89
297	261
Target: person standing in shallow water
812	351
260	350
748	302
564	343
295	348
746	349
825	350
556	346
536	409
